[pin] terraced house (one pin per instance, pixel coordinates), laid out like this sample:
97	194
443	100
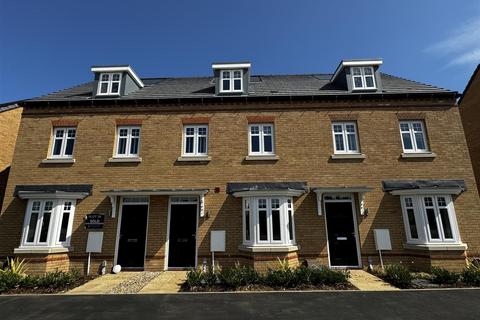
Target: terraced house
298	167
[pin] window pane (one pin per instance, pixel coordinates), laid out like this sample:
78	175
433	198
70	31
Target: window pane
417	126
122	146
255	144
369	82
368	71
237	84
189	145
64	226
115	87
276	234
412	224
407	141
190	131
45	225
352	142
71	133
420	141
337	128
247	225
350	128
267	144
358	82
69	147
135	132
104	87
447	228
339	142
32	225
290	224
404	127
226	74
262	222
356	71
123	132
237	74
432	223
202	131
134	146
105	77
116	77
267	129
59	133
57	147
202	144
255	129
226	85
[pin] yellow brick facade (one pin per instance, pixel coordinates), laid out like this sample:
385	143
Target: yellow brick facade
303	143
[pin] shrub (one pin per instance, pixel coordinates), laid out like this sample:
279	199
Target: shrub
16	266
55	280
443	276
9	280
471	275
280	278
238	276
199	278
398	275
328	277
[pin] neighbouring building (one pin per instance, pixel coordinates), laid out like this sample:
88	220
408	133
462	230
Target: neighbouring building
297	167
470	111
10	114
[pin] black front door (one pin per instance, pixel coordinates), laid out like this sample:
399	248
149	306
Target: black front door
182	239
133	229
342	243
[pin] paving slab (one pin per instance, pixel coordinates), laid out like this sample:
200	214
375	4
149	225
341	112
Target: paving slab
103	284
368	282
166	282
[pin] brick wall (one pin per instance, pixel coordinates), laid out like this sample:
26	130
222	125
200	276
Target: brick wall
470	111
303	143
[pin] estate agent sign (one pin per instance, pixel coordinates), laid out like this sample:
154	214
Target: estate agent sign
94	221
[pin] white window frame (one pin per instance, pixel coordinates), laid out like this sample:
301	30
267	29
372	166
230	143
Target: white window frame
231	79
285	205
363	77
344	136
261	135
196	137
421	220
109	83
412	132
129	138
64	140
55	226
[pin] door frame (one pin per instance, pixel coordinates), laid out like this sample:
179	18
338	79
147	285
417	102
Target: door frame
167	242
354	214
119	224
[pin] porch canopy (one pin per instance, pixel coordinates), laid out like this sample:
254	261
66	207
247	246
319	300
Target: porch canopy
114	193
361	190
248	189
409	187
53	191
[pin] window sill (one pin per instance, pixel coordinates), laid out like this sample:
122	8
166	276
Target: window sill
262	158
437	247
34	250
271	248
194	159
342	156
418	155
125	159
58	160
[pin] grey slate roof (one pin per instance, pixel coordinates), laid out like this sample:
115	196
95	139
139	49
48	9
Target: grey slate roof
259	86
422	184
53	188
266	186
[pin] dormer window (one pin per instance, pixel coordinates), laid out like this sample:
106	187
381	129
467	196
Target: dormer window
231	81
109	83
363	78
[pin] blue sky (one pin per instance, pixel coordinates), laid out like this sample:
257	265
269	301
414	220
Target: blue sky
49	45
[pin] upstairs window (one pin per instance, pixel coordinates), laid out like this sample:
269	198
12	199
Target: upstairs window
109	83
261	141
63	142
48	223
413	136
231	81
128	142
195	140
345	137
363	78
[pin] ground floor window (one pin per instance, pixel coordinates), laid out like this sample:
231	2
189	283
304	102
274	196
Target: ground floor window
430	219
268	221
48	223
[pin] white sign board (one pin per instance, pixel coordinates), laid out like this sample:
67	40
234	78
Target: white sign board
382	239
217	241
94	241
